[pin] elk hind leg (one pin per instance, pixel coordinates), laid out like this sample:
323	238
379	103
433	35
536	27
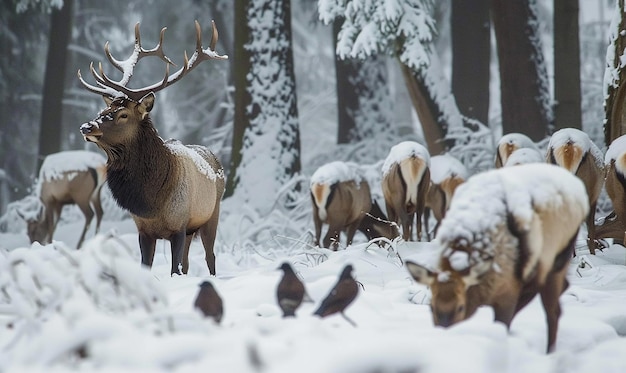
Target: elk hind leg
86	209
147	245
207	234
550	292
188	240
97	206
177	240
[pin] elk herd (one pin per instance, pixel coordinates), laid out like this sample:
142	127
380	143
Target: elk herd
505	234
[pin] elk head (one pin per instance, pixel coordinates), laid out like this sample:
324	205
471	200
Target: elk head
128	107
449	286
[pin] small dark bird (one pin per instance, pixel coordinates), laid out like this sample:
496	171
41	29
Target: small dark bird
290	291
209	302
340	296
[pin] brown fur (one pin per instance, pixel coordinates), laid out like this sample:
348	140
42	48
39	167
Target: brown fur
375	225
438	199
396	191
571	157
347	205
74	187
524	257
166	194
615	184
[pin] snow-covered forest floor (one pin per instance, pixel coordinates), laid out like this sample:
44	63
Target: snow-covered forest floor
96	309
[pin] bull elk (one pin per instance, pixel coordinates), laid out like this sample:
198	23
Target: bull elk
510	143
171	190
341	199
65	178
446	174
519	227
405	182
573	150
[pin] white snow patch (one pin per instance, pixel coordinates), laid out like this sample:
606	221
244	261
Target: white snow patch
178	148
445	166
617	147
565	135
405	150
56	165
336	172
523	156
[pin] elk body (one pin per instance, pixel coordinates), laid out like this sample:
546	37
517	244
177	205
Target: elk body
65	178
508	235
523	156
573	150
171	190
405	182
510	143
341	198
615	184
446	174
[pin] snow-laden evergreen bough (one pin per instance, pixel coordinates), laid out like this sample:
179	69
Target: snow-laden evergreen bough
171	190
72	177
573	150
508	235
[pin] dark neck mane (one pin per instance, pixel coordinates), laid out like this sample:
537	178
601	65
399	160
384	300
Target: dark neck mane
138	172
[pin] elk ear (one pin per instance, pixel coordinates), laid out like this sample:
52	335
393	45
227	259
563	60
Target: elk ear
107	100
146	103
420	273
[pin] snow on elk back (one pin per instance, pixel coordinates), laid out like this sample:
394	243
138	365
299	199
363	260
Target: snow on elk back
406	178
615	164
523	156
56	166
341	198
508	235
573	150
510	143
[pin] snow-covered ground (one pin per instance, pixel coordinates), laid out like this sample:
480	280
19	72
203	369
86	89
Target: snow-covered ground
97	310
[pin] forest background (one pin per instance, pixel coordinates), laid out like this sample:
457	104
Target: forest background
454	75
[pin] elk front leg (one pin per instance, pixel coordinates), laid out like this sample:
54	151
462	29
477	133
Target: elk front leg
146	245
188	240
553	288
178	243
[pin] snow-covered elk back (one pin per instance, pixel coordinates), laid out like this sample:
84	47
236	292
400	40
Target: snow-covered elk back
573	150
509	143
171	190
508	235
615	184
446	174
406	178
71	177
340	197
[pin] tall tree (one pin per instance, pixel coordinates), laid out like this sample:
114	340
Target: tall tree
405	29
363	98
615	78
525	95
266	137
471	36
54	81
567	110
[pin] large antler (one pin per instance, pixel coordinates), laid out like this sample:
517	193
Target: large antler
111	88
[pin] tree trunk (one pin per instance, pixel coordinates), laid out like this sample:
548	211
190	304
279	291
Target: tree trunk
427	111
524	87
614	113
266	142
363	97
54	82
471	35
567	112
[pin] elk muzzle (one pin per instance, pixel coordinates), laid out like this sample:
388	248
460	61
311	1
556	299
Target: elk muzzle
91	131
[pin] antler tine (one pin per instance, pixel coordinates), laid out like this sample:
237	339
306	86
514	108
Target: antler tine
111	88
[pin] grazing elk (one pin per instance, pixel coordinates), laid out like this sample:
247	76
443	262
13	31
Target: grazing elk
523	156
65	178
510	143
341	198
446	174
615	184
171	190
573	150
375	224
508	235
405	182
